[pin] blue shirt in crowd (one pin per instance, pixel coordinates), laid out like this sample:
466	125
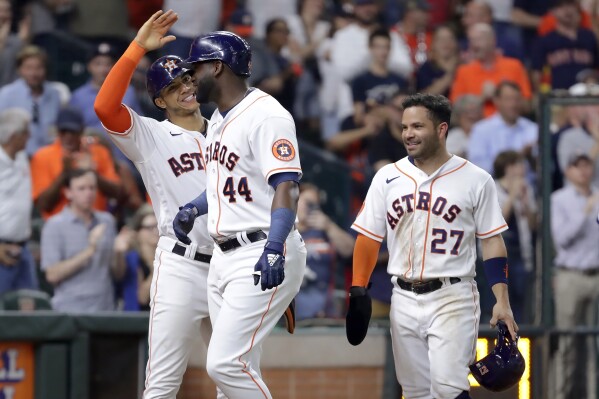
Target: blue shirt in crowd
43	110
493	135
370	88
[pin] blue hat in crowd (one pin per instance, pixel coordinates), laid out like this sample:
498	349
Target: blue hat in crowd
70	119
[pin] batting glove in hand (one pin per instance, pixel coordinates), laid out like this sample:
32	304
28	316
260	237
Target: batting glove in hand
269	270
183	222
358	315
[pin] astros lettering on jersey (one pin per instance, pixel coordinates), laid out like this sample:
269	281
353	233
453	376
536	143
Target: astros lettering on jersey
244	152
171	162
430	221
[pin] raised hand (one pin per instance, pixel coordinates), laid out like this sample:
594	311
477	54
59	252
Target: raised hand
151	35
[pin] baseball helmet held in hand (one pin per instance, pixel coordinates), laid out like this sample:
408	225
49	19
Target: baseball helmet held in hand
503	367
162	73
222	46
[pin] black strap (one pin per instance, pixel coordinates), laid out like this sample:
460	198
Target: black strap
425	287
233	242
180	250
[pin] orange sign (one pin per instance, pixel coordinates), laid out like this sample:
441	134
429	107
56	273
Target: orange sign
16	370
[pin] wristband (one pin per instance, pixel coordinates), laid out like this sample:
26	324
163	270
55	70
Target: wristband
496	270
200	204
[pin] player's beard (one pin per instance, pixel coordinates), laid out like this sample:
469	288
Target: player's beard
206	88
428	148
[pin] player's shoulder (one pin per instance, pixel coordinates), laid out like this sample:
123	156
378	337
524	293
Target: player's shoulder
474	172
265	106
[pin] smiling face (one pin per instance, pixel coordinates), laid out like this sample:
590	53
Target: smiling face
179	96
420	136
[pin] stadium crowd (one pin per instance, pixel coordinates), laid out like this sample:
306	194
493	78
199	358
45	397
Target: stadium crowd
74	219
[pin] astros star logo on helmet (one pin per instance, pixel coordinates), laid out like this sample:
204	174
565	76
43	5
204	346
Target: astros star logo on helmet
170	65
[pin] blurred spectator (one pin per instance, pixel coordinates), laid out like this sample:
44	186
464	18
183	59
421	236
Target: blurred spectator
505	130
377	86
35	95
241	22
481	11
466	112
51	165
101	21
413	29
487	69
549	21
11	43
17	267
587	83
265	11
517	201
349	50
49	15
272	72
436	75
99	64
387	146
581	135
334	93
77	250
325	242
307	31
195	17
565	51
575	236
135	247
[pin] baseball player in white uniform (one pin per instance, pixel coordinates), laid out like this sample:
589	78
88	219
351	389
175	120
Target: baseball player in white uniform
169	156
431	206
253	172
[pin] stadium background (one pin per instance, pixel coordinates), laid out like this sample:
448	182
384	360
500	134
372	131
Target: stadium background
46	354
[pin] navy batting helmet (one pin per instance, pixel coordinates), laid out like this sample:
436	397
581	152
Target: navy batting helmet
162	72
223	46
503	367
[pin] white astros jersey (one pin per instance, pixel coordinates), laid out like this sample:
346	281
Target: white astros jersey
254	140
431	222
170	161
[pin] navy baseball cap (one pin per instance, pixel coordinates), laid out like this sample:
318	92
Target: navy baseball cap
242	22
70	119
105	49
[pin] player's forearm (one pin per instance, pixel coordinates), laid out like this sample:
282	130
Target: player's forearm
493	247
365	258
66	268
108	101
501	293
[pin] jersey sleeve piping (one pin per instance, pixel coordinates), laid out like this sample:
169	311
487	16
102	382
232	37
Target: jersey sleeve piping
367	233
493	232
281	170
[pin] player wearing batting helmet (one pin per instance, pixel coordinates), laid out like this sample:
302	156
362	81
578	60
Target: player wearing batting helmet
169	157
251	195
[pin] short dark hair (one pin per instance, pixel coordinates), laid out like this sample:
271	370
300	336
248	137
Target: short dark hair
74	174
378	33
506	83
438	106
505	159
270	25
